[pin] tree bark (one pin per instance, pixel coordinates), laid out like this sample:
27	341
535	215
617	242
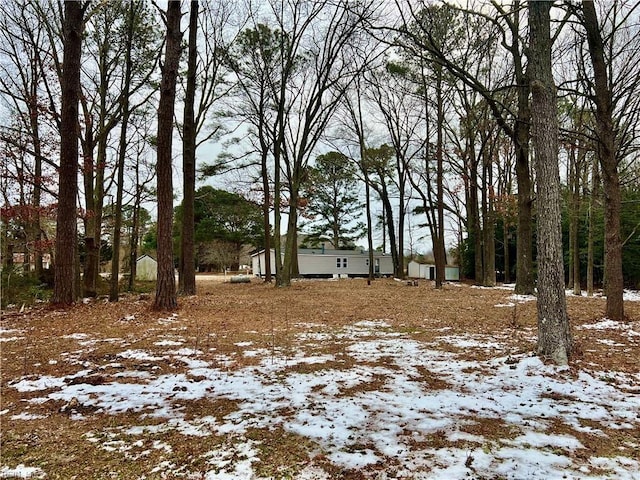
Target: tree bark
66	227
265	215
91	262
489	232
474	213
506	235
390	226
520	136
606	150
187	277
439	251
166	287
34	116
595	185
576	205
554	335
524	232
289	248
135	230
367	189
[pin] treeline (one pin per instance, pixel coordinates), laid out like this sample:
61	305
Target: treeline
490	127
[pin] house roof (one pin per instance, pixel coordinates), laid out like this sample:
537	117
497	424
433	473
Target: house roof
145	255
432	264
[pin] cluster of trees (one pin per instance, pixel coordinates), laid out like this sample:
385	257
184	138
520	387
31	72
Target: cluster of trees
226	227
90	108
459	116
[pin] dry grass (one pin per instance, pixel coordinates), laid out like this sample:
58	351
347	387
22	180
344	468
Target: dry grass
224	315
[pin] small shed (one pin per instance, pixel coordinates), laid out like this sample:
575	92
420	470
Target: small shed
428	271
146	268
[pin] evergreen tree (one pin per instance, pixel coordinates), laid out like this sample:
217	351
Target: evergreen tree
333	203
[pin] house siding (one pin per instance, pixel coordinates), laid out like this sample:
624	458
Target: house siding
423	270
146	268
318	263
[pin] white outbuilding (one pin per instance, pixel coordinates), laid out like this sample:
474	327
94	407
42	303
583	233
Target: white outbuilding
428	271
320	262
146	268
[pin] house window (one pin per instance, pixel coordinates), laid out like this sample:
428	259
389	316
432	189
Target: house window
338	263
366	262
341	262
344	263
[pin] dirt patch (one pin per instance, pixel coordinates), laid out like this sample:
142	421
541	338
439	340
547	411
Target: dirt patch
239	328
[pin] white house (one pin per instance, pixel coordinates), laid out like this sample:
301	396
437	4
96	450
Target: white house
146	268
320	262
428	271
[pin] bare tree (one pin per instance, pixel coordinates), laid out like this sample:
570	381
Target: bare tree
142	177
29	136
209	31
187	272
355	124
135	20
420	39
393	93
254	59
610	154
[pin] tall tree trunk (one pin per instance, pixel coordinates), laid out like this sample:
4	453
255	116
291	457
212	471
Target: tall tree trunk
524	230
99	192
358	123
383	222
401	224
520	136
439	252
489	232
289	249
390	226
554	335
277	189
66	230
474	221
166	285
91	261
606	149
36	227
122	153
95	176
506	235
575	261
485	224
277	224
571	168
595	185
135	230
187	274
367	188
265	215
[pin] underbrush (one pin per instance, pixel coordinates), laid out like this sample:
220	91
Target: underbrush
20	288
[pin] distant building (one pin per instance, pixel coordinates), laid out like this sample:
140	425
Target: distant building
18	259
428	271
320	262
146	268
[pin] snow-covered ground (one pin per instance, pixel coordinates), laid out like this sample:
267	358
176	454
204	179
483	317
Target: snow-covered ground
378	409
370	425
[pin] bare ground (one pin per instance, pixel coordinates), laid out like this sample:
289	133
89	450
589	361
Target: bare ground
62	439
